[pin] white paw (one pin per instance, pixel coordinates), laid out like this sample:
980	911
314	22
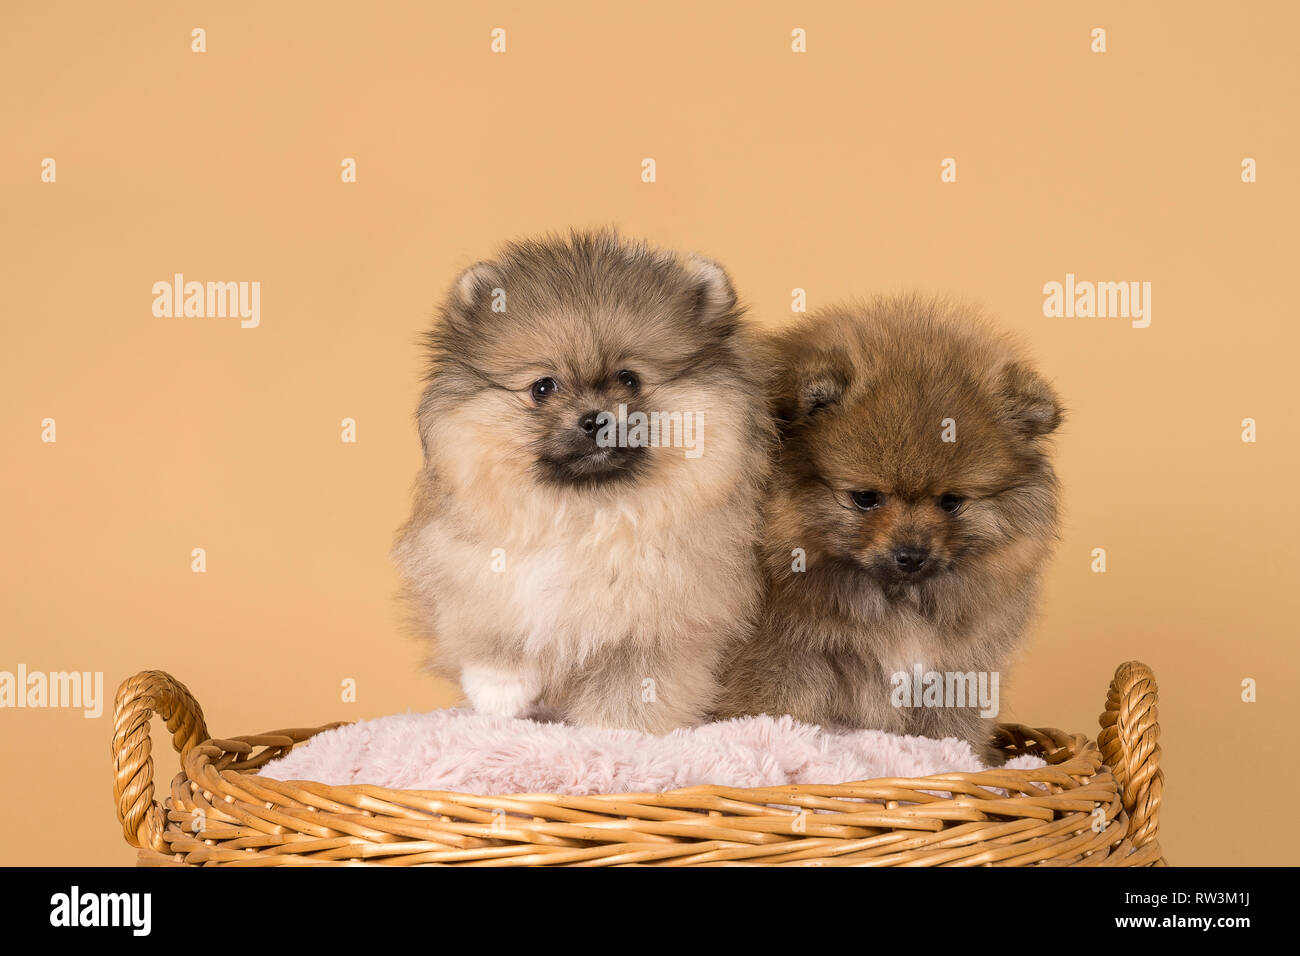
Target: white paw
494	691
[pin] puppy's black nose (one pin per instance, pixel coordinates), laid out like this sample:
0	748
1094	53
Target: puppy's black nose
590	421
911	559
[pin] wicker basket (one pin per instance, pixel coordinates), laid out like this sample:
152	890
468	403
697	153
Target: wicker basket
221	812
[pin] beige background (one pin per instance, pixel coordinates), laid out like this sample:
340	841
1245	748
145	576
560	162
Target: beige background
818	170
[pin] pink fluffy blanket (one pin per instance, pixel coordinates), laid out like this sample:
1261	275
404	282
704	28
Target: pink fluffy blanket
460	750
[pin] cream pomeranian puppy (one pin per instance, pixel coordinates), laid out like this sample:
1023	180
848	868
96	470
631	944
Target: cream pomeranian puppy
596	440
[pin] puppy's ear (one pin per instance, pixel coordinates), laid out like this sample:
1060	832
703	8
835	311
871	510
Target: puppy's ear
1028	402
714	295
808	386
474	284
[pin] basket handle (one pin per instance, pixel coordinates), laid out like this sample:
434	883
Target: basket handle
138	699
1130	746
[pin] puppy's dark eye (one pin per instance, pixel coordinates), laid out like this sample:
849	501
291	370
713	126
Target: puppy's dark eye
629	380
867	500
950	504
542	389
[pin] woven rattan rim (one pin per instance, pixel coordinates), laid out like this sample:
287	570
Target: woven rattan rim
1087	807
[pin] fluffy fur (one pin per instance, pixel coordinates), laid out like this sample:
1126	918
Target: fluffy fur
459	750
892	579
623	572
